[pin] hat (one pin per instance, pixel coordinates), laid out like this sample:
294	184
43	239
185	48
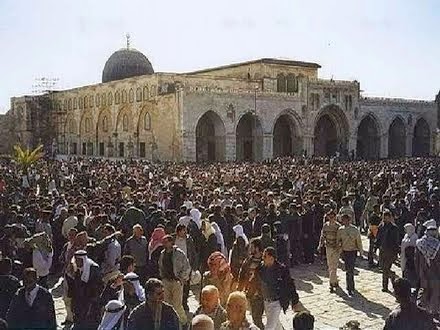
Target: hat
430	224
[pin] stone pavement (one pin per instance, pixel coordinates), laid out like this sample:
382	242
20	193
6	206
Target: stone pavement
369	305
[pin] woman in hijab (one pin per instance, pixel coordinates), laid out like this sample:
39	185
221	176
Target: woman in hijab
219	275
220	239
155	247
210	244
407	252
238	251
428	268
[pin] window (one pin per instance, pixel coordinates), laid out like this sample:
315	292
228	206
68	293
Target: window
125	123
75	103
65	105
110	98
88	125
131	95
147	122
105	124
101	148
291	84
81	103
71	126
117	97
103	100
86	102
91	103
124	96
281	83
70	104
84	148
138	94
146	94
97	100
74	148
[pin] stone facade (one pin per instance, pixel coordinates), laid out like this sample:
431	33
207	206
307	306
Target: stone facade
247	111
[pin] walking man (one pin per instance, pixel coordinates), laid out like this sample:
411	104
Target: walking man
328	240
349	242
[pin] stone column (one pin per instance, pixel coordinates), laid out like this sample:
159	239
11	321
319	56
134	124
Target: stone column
231	143
189	146
384	146
308	144
409	140
267	146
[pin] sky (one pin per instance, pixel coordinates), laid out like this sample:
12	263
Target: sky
392	47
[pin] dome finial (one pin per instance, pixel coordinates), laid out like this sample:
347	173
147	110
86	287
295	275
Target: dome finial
128	40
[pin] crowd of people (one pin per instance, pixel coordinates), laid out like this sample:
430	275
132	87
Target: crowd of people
132	240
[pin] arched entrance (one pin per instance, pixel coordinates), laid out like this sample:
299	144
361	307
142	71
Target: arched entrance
421	139
397	139
210	138
368	139
286	140
249	138
331	132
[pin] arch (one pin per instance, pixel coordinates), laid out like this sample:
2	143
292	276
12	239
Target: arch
368	138
91	101
75	103
126	115
147	121
146	93
69	104
331	132
287	137
131	95
103	100
110	98
249	138
397	138
138	94
421	139
210	138
281	83
117	97
104	129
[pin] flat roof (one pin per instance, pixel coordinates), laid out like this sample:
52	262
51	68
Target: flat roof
263	61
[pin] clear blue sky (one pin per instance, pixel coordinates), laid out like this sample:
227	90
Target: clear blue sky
392	47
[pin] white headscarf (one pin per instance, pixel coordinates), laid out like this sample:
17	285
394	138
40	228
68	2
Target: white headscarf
220	239
114	310
196	215
134	279
239	232
408	240
87	263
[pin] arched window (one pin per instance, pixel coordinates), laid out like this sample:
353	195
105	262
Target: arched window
152	90
124	96
71	126
88	125
81	103
117	97
70	104
281	83
125	123
91	103
98	100
291	83
147	122
110	98
131	95
103	100
138	94
146	93
65	105
105	124
75	103
86	102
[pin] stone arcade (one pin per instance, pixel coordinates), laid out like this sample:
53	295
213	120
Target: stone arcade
253	110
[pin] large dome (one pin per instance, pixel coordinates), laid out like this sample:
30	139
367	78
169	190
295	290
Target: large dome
126	63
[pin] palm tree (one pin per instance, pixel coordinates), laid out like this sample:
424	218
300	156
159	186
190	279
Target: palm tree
25	157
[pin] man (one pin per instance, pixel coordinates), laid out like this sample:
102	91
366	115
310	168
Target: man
388	242
9	284
210	306
277	287
295	234
249	282
236	310
407	316
202	322
373	228
32	306
174	270
186	244
328	240
154	313
349	242
115	316
137	246
112	255
85	285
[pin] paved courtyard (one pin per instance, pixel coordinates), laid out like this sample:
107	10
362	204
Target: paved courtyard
369	305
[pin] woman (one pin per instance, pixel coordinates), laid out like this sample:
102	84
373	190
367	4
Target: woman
239	250
407	254
220	239
155	247
219	275
210	244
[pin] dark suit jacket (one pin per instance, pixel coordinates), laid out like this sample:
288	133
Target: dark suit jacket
41	315
142	318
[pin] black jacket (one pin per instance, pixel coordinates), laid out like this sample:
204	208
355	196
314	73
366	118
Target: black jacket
142	318
41	315
8	287
388	238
